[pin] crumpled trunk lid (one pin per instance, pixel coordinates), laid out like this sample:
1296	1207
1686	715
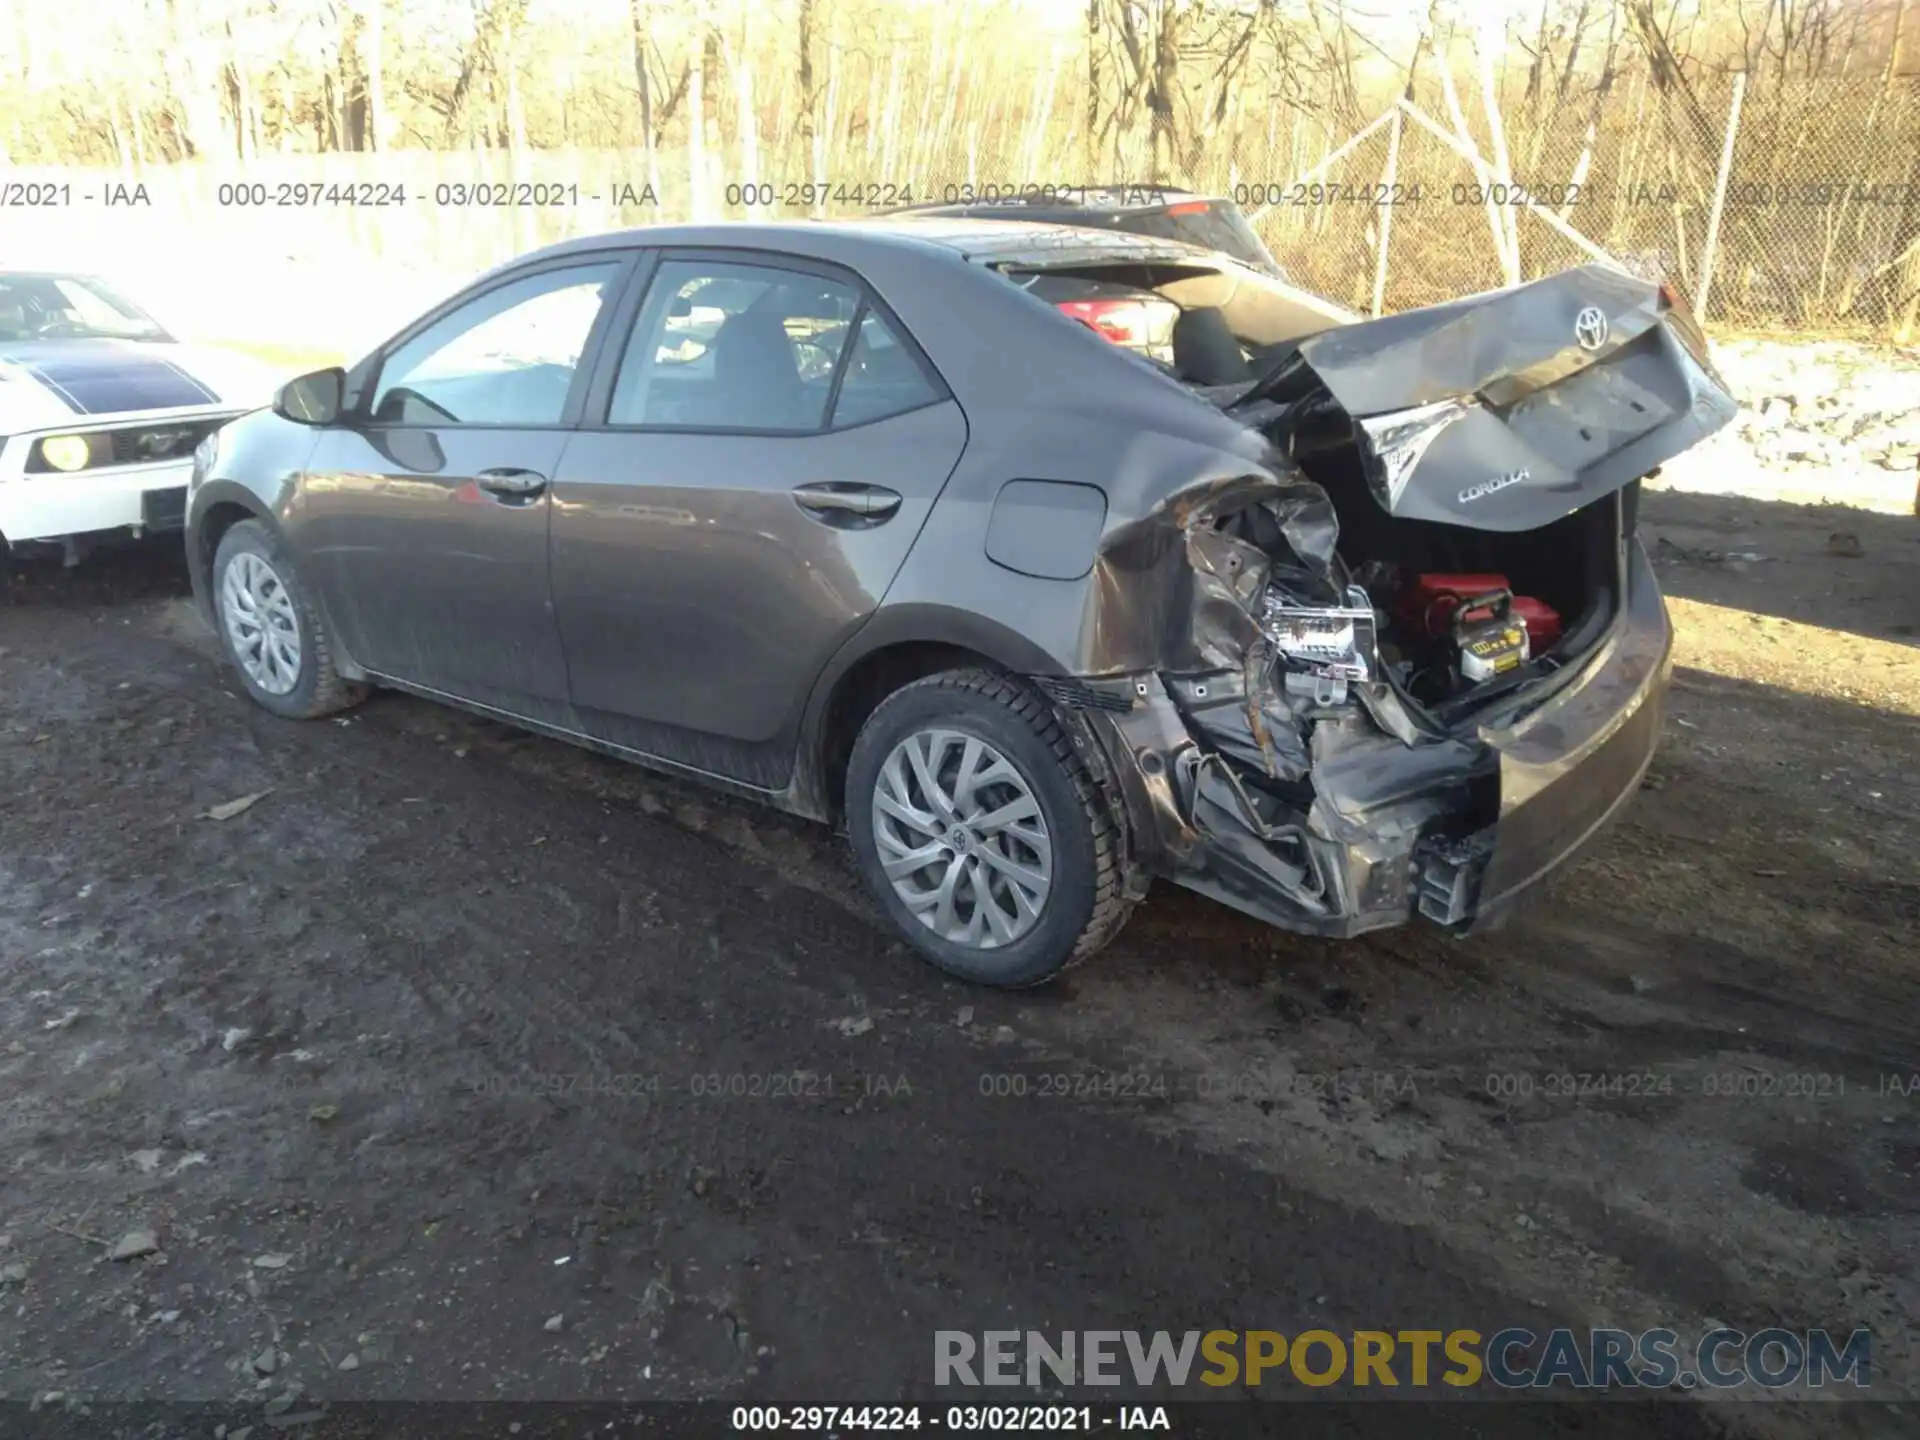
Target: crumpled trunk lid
1507	410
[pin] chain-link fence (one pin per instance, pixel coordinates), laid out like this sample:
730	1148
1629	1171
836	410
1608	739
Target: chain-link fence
1818	196
1818	199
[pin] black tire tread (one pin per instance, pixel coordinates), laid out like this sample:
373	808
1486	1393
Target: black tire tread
1111	904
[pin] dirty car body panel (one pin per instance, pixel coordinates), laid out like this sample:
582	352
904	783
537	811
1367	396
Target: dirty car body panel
1171	563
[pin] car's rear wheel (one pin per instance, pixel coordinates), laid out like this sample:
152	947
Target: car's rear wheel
980	831
271	630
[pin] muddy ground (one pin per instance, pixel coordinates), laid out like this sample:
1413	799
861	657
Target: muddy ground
411	1067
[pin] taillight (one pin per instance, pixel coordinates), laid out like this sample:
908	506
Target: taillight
1670	296
1190	207
1124	322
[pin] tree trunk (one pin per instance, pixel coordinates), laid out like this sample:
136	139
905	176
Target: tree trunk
1166	81
516	115
324	130
890	120
823	137
353	94
805	43
239	104
1895	48
920	160
246	114
376	75
697	134
287	112
1092	143
708	111
643	82
949	114
747	119
871	119
194	83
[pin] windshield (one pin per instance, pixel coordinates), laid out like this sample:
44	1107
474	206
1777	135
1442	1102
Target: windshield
36	306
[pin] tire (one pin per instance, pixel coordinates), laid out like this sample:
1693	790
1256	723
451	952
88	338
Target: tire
316	688
1083	906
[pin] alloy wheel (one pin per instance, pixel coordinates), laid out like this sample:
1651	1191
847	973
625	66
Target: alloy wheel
962	838
263	627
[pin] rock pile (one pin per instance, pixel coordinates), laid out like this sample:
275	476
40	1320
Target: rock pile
1827	403
1820	421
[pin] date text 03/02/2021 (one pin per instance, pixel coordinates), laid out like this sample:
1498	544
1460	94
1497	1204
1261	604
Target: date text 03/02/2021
962	1419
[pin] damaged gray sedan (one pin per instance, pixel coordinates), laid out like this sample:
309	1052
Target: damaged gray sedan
1044	561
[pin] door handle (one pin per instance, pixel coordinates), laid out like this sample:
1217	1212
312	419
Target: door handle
844	503
511	481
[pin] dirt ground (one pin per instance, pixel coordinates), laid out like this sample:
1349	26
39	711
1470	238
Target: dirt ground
441	1070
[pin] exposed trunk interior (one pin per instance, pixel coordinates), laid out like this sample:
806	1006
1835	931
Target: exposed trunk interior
1573	566
1450	442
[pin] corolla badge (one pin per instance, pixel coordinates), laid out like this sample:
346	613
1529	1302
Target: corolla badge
1590	328
1487	487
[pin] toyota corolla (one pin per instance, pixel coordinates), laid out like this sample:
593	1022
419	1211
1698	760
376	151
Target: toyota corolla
1044	561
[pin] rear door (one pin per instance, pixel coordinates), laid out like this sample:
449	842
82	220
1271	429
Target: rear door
763	442
424	514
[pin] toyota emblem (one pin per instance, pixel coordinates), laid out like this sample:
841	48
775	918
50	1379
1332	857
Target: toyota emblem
1590	328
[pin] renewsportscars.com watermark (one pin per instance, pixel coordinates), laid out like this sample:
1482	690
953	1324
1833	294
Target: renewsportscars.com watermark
1513	1359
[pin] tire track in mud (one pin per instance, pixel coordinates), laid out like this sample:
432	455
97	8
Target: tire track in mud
1635	1257
1252	998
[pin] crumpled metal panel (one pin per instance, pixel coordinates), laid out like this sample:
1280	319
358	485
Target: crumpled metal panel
1189	572
1297	784
1526	404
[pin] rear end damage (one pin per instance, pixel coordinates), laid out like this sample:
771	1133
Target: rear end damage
1426	655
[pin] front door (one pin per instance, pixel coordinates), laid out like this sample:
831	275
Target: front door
772	443
424	516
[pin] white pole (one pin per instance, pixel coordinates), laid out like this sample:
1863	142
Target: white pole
1482	173
1472	157
1720	194
1307	177
1386	213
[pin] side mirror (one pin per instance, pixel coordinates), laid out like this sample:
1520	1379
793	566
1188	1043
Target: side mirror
315	398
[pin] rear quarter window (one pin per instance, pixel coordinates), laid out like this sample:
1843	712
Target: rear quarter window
882	378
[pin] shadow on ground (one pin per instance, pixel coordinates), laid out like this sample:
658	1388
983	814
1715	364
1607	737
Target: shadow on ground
1827	565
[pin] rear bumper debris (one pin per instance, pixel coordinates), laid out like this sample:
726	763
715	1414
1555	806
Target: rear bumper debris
1352	823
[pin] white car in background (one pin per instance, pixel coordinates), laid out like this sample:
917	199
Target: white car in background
100	412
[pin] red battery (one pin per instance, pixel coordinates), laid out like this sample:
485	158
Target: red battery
1426	607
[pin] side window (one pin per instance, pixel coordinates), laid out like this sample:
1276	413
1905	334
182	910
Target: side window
882	378
733	347
504	358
